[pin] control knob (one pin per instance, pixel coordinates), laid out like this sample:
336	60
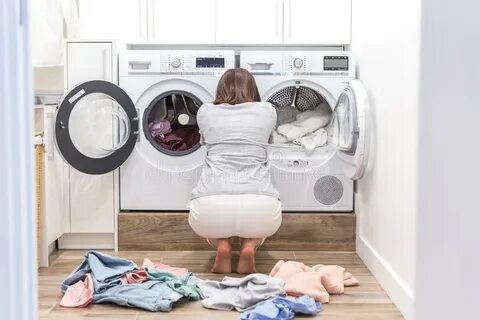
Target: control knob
176	63
298	63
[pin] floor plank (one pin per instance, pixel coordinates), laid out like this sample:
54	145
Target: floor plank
366	301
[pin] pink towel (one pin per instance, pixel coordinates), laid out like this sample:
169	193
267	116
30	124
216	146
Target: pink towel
79	295
140	276
318	281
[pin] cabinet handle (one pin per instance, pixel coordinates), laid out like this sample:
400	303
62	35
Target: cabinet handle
288	19
141	20
279	19
104	62
152	16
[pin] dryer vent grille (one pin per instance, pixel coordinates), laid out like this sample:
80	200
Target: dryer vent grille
328	190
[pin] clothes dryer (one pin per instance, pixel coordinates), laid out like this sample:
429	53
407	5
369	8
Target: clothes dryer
317	82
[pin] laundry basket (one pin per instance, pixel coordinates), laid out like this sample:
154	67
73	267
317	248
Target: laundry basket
39	187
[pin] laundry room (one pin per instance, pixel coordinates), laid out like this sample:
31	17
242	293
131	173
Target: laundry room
226	159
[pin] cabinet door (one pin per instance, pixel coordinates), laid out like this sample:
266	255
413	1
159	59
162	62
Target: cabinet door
182	21
87	61
56	221
92	206
320	22
123	21
262	22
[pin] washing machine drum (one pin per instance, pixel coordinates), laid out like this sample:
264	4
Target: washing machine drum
170	123
291	100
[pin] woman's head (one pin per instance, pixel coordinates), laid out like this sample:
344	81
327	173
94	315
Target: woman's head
236	86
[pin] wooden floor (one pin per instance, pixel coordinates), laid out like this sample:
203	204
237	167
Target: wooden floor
367	301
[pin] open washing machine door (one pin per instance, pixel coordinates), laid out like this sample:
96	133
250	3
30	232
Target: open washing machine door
348	130
96	127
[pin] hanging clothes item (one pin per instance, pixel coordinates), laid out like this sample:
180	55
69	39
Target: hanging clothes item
283	308
106	271
240	293
317	282
48	35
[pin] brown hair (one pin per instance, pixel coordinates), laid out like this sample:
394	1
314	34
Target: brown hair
236	86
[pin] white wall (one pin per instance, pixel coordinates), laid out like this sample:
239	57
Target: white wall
448	262
386	42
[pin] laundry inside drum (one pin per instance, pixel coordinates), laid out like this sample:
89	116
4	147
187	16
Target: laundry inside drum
170	123
302	117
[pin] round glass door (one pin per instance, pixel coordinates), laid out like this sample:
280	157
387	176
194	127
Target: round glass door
96	127
344	126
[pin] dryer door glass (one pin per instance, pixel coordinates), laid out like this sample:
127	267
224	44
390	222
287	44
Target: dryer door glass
96	127
348	129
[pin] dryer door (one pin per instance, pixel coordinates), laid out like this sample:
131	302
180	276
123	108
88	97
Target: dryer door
96	127
348	130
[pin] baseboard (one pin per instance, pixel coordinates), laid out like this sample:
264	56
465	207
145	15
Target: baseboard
72	241
391	282
299	231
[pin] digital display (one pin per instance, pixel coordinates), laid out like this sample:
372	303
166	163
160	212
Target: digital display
335	63
210	62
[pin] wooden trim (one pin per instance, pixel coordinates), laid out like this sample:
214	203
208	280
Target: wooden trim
299	231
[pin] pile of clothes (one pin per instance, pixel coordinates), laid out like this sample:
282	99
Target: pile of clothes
178	139
291	288
306	130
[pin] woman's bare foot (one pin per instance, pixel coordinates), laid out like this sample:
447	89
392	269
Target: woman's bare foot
223	263
246	263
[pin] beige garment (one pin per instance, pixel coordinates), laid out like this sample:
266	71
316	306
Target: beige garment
317	282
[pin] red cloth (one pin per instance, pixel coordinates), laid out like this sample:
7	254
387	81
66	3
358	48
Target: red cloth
180	139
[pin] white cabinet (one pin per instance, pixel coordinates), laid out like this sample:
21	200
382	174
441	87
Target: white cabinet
124	21
249	22
87	61
181	21
92	197
317	22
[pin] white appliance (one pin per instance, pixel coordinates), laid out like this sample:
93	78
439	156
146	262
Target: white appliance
324	179
101	126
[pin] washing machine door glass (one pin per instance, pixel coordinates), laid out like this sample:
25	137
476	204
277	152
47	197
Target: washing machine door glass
96	127
348	129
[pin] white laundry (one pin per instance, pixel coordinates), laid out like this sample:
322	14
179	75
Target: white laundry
48	18
306	123
317	139
277	138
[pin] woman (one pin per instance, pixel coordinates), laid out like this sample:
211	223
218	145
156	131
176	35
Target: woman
234	196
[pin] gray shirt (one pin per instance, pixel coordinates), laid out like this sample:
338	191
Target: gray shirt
236	138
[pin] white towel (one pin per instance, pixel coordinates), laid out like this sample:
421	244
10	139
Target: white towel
311	142
307	122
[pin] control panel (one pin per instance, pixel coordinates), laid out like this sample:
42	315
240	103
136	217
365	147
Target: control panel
189	62
311	62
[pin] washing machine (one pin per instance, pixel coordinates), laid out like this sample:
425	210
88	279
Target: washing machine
146	125
321	180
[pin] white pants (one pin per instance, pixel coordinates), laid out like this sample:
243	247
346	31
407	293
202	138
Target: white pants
241	215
